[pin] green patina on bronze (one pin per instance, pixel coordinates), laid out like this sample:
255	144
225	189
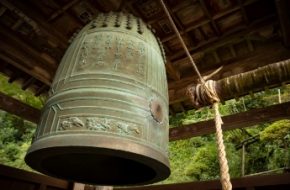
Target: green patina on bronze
106	120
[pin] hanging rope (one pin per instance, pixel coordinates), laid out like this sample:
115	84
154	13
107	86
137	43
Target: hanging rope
224	168
205	91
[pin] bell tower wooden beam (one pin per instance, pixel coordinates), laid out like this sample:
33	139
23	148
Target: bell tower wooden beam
235	121
268	76
18	108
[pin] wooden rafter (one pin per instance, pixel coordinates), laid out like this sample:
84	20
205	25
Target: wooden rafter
12	37
284	18
63	9
27	83
210	19
45	29
172	71
236	32
23	62
242	7
206	11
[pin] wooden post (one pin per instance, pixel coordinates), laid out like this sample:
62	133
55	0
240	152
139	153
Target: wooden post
279	96
243	160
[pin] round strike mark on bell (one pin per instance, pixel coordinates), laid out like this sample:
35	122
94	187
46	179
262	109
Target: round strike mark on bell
106	119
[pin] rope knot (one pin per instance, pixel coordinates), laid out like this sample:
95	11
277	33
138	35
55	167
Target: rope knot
203	94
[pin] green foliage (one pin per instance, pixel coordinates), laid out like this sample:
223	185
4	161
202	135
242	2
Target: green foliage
191	116
277	157
256	158
196	158
204	164
15	137
181	153
279	130
277	137
15	91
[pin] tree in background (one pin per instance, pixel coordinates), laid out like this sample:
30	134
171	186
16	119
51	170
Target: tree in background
277	135
15	138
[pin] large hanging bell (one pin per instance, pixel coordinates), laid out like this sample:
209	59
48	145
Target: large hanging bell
106	118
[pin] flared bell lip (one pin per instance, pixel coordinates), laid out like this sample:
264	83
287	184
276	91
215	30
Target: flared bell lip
98	159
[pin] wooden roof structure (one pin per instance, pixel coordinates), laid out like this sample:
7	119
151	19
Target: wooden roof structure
238	35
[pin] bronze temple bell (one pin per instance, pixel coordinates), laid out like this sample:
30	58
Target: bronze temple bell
106	119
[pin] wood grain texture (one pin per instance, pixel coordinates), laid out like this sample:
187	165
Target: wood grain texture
11	105
240	120
278	181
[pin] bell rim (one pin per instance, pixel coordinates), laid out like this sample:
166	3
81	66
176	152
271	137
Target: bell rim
63	144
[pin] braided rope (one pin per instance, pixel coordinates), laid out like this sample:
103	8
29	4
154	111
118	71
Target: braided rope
224	168
201	93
